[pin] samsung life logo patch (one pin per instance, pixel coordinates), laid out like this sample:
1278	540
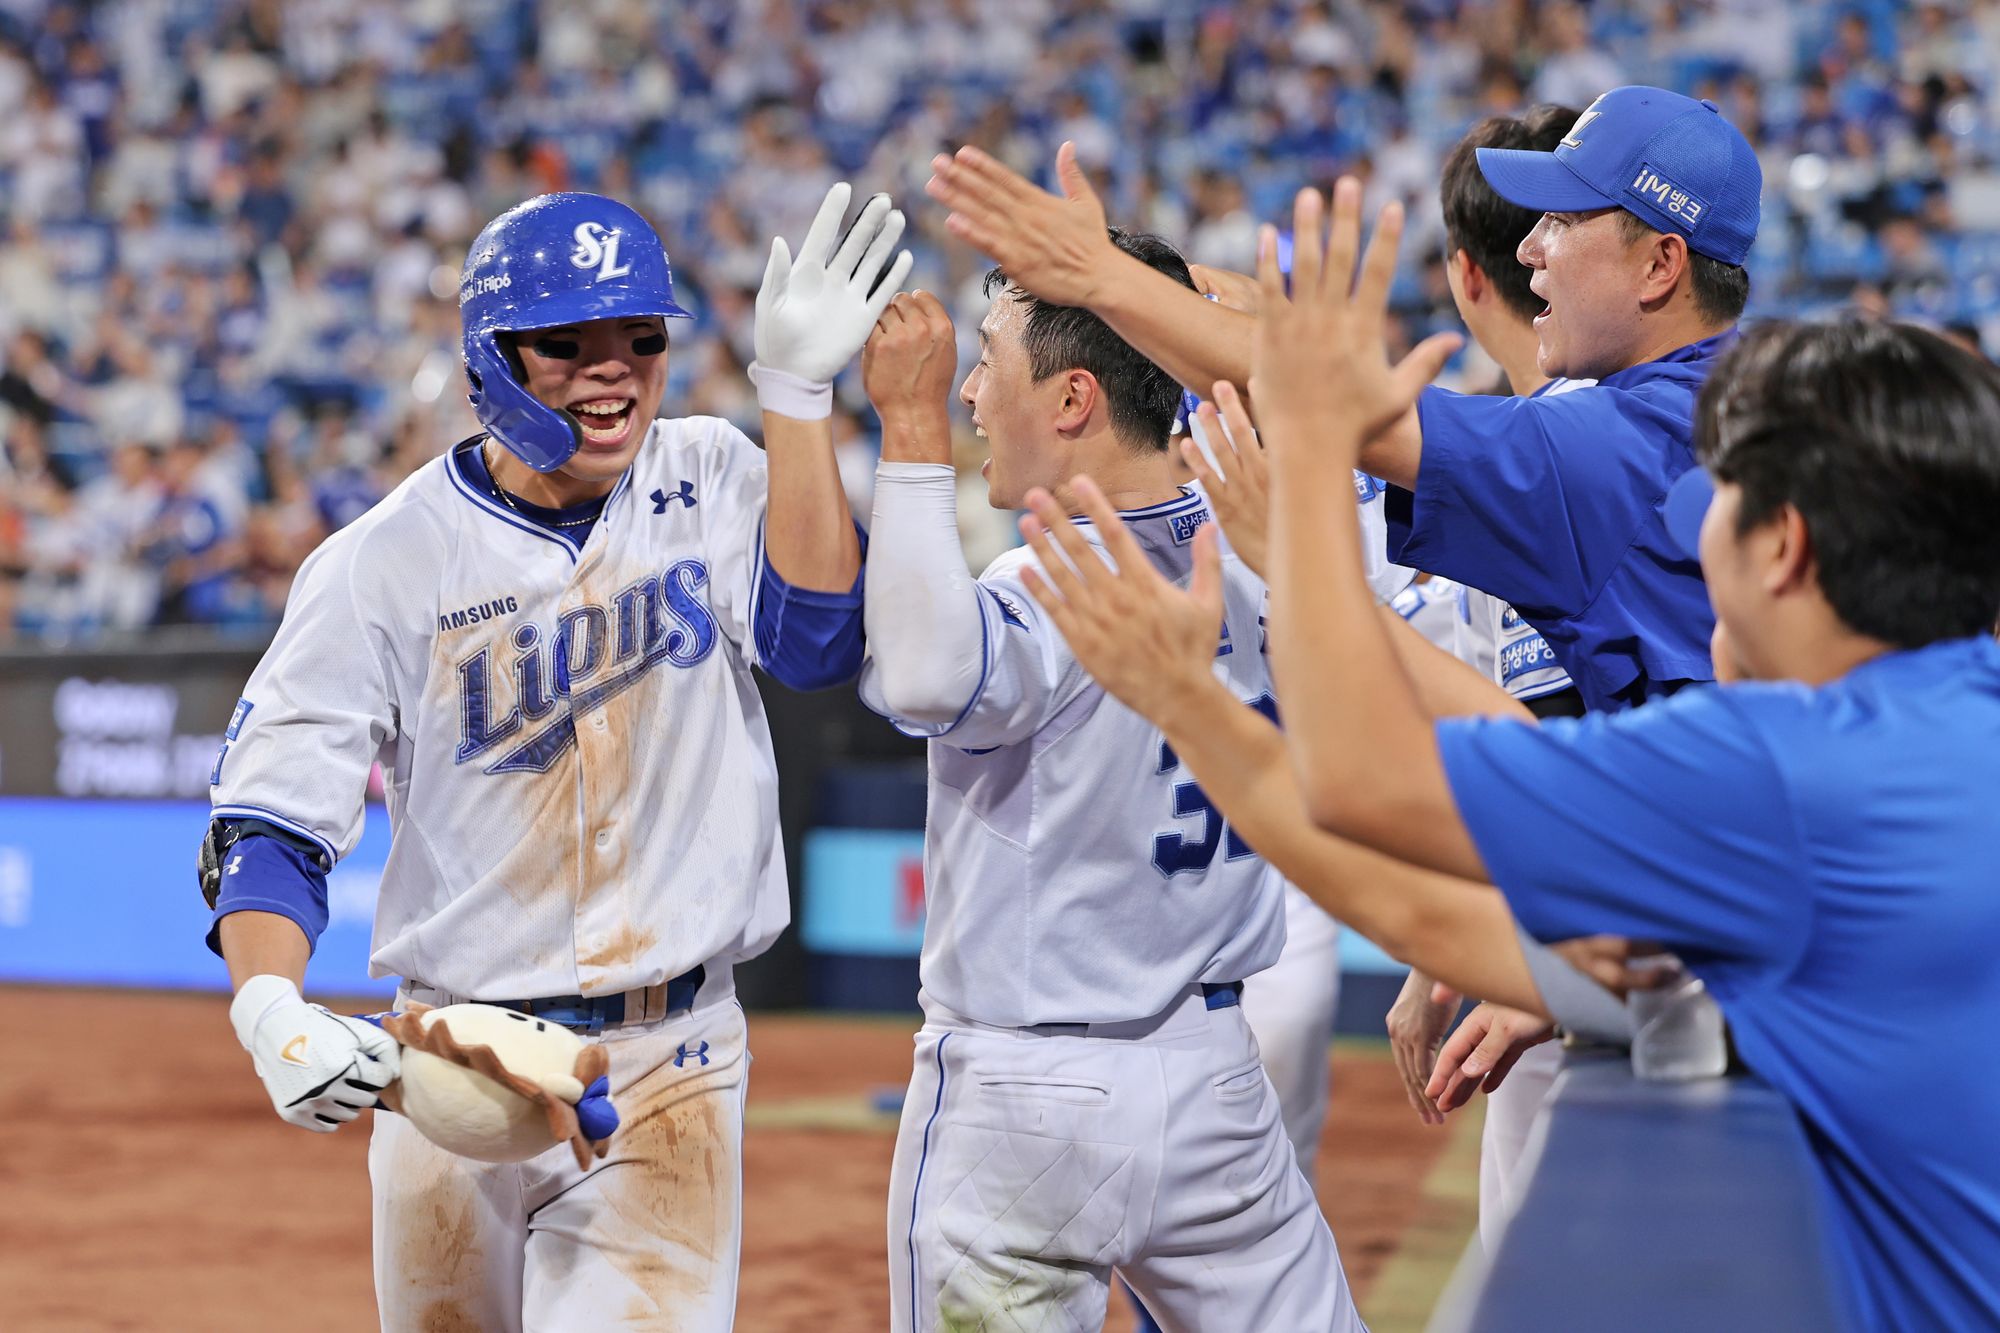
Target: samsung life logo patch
1186	525
1666	196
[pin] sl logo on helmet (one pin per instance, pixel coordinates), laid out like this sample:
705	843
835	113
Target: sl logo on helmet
597	247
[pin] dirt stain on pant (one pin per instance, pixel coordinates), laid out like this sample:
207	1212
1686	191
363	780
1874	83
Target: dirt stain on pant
672	1190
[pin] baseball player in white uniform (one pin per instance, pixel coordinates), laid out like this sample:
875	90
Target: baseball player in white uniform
1086	1095
545	639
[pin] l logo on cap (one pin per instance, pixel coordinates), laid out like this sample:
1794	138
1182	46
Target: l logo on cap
597	247
1570	140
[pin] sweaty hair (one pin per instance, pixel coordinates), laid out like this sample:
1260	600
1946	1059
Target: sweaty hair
1886	439
1481	223
1720	290
1140	397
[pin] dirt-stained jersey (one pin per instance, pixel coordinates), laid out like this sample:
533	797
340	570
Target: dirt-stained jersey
577	767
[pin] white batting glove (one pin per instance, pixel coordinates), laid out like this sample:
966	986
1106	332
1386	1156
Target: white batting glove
321	1068
814	312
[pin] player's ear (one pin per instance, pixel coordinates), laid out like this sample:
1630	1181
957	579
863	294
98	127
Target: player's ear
1788	561
1666	266
1471	278
1081	393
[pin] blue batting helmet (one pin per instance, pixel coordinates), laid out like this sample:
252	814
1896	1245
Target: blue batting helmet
556	259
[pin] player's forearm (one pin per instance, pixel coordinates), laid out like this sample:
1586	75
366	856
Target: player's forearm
1397	453
912	434
809	536
1362	746
1445	686
1195	340
921	603
263	943
1453	929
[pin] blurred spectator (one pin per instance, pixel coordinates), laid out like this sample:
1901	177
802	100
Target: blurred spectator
232	232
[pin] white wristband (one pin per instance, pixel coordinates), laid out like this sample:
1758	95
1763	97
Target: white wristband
792	395
258	996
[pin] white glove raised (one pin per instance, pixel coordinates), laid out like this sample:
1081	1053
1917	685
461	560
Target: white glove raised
321	1068
814	312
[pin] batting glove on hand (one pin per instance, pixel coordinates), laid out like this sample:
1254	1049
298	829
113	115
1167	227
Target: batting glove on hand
322	1069
815	312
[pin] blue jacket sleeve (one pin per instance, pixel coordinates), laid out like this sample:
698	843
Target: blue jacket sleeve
809	640
1669	823
267	874
1535	500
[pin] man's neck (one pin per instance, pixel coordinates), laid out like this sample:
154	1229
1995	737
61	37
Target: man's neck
1820	654
1516	350
1668	338
1129	480
550	490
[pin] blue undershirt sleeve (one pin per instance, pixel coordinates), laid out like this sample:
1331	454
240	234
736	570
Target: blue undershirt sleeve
264	874
809	640
1669	823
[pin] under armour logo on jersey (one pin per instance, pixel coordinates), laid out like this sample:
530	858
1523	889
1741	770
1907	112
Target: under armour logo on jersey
682	1053
685	495
235	864
597	247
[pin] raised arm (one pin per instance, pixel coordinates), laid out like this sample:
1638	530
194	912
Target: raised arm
1361	740
1058	249
925	632
813	314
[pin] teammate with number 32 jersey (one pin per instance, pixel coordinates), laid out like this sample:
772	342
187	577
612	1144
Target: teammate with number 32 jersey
1086	1095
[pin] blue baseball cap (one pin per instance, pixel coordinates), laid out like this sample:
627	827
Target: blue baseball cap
1686	506
1669	160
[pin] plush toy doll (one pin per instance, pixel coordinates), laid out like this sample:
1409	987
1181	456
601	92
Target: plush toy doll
500	1086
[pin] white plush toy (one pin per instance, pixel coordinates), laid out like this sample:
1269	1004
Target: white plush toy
500	1086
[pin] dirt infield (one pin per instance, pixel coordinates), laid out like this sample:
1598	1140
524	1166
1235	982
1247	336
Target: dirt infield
147	1185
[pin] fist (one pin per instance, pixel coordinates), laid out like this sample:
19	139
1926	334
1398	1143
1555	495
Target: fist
911	358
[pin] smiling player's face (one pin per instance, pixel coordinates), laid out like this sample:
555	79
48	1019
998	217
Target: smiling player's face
1012	412
611	373
1589	274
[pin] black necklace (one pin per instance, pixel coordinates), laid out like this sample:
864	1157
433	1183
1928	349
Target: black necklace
500	492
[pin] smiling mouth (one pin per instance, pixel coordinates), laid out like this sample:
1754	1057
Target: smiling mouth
605	421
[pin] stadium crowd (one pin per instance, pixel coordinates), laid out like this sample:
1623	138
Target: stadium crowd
230	234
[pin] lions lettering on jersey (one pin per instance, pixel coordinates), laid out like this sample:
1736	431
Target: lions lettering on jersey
660	618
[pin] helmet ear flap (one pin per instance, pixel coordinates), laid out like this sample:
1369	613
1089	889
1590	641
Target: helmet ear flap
537	434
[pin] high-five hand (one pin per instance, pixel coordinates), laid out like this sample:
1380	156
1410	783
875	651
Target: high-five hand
814	312
1056	248
911	358
1149	643
1320	367
1238	483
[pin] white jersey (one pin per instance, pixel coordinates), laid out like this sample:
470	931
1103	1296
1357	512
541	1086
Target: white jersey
578	772
1074	870
1492	637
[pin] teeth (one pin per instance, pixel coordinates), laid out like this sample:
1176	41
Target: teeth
603	409
980	431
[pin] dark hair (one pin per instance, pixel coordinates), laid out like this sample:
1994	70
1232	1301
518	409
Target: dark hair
1886	439
1140	397
1720	290
1481	223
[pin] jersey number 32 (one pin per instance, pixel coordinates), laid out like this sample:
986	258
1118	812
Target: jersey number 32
1176	852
